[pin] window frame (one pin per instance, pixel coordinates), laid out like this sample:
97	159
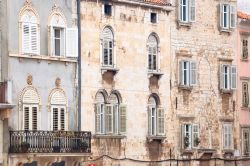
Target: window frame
58	107
192	137
62	41
153	54
244	47
228	17
109	42
245	94
31	106
190	78
227	136
228	76
245	153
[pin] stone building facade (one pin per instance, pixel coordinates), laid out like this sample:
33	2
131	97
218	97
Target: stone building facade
39	58
243	80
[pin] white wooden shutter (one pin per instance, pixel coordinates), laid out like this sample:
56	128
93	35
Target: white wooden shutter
147	17
181	67
55	119
182	136
109	119
72	42
180	11
149	121
51	41
97	118
25	38
26	118
230	136
193	71
221	15
192	10
62	119
233	77
195	134
34	38
232	16
34	118
222	77
160	121
123	119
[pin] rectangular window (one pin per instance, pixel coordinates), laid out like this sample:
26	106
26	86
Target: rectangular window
187	73
107	9
227	16
59	45
187	136
187	11
227	136
245	141
190	136
108	53
228	75
30	117
245	49
153	17
155	121
58	118
245	94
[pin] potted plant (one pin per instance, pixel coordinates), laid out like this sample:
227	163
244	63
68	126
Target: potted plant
24	146
186	142
83	145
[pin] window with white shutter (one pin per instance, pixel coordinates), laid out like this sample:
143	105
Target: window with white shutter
58	118
187	11
245	94
72	42
109	119
192	10
227	16
30	117
190	136
233	16
244	49
193	72
107	47
228	76
233	77
160	121
188	73
123	119
227	136
152	53
195	136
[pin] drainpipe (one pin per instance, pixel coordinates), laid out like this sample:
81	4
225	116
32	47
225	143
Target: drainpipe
79	63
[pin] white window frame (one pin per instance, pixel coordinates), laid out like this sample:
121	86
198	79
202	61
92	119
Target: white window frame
190	11
188	128
228	76
153	117
59	107
62	41
182	11
30	106
228	16
227	136
190	70
107	40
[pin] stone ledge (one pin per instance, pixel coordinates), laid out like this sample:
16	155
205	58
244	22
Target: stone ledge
156	73
100	136
186	116
151	138
112	69
225	59
226	119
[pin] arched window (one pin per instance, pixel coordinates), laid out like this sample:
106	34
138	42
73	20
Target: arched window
107	47
29	33
152	53
155	117
58	106
30	105
110	116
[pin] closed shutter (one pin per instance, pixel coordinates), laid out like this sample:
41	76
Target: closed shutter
34	118
244	48
149	121
181	68
123	119
25	38
51	42
72	42
193	75
232	16
182	131
192	10
62	119
221	15
180	10
245	94
97	118
105	52
233	77
34	38
155	67
55	119
109	119
160	121
150	58
26	118
225	136
222	77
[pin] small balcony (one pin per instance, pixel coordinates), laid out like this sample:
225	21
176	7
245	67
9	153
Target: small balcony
50	142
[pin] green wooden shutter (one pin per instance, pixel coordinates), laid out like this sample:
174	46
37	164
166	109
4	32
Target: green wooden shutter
123	119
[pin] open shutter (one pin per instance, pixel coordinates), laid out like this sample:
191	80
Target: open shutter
160	121
146	17
192	10
34	38
195	135
62	119
182	130
34	118
193	75
72	42
123	119
25	38
109	119
51	41
181	67
233	77
232	16
230	137
225	137
97	118
221	15
180	10
26	118
222	77
55	119
149	121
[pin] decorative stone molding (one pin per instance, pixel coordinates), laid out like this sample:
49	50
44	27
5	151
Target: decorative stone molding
58	82
60	94
28	7
29	79
57	17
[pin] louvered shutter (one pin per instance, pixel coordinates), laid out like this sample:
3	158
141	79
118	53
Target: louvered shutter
123	119
108	119
193	75
149	121
105	44
182	131
195	134
181	68
62	119
26	118
34	38
25	38
192	10
225	137
72	42
55	119
97	118
146	17
180	10
244	48
222	77
160	121
232	16
233	77
34	118
51	41
221	15
230	137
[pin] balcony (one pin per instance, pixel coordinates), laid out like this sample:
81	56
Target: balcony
50	142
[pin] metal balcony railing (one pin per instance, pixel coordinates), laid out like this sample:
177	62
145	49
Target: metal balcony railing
50	142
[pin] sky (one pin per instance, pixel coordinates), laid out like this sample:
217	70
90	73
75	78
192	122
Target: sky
244	5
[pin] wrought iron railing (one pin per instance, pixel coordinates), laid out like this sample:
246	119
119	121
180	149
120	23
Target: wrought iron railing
50	142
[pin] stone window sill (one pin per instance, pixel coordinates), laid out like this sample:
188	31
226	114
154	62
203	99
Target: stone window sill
226	91
108	136
151	138
229	30
112	69
185	87
244	60
156	73
184	24
245	108
228	151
